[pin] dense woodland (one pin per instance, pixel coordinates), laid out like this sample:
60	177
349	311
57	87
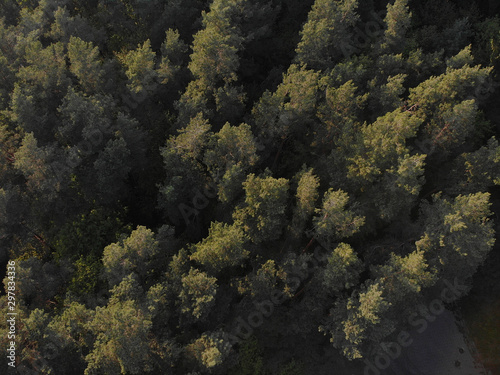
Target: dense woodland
240	186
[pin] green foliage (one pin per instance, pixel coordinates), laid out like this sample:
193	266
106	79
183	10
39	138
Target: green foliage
404	280
212	352
214	56
387	97
327	34
182	159
463	58
222	248
262	283
66	26
232	153
173	51
198	294
71	328
214	63
450	119
250	359
478	170
292	368
86	236
306	198
339	115
38	282
359	320
83	118
458	234
194	119
32	335
121	345
85	278
140	71
46	67
136	253
112	168
383	168
398	21
33	162
334	220
342	270
85	64
487	48
284	112
382	143
262	217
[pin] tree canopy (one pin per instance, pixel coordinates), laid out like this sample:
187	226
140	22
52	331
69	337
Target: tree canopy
222	187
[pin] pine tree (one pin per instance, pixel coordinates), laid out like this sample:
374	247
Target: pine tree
185	171
197	295
343	269
327	35
457	234
140	69
222	248
306	198
335	221
134	254
286	111
85	64
213	64
212	352
356	323
231	153
173	51
121	331
398	21
476	171
262	217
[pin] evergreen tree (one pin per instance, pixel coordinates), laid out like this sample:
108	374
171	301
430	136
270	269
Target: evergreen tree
185	172
327	35
136	253
232	153
343	269
339	115
354	324
121	331
173	51
85	64
222	248
212	352
286	111
476	171
243	132
306	197
262	217
334	221
197	296
457	234
213	64
450	118
398	21
140	64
